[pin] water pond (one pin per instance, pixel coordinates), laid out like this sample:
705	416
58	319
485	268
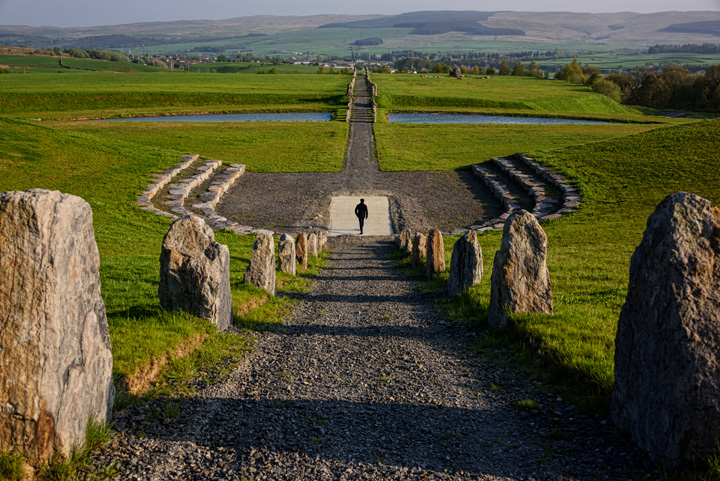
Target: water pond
248	117
480	119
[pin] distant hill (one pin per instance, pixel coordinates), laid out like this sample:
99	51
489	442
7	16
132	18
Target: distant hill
706	28
420	31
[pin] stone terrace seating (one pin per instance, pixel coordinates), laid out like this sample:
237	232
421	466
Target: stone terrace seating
536	180
173	203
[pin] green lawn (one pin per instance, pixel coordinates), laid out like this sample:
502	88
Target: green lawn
99	94
455	146
261	146
622	180
404	92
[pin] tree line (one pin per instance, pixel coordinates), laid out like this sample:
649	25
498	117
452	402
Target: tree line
671	88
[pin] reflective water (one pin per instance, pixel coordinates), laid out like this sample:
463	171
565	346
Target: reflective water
480	119
248	117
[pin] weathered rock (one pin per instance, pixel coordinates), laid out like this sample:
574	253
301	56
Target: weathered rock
403	240
419	249
322	241
261	270
195	272
520	280
301	252
54	343
312	244
667	375
466	264
435	262
286	254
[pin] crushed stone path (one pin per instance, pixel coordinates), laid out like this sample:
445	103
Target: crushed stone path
365	381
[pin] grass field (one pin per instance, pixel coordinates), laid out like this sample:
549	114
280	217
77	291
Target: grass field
98	94
46	64
261	146
456	146
416	92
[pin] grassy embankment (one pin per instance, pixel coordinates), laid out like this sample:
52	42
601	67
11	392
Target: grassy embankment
110	172
97	95
623	171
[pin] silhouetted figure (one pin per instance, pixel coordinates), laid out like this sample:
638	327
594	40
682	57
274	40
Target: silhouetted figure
361	212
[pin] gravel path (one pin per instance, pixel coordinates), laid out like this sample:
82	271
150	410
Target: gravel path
365	381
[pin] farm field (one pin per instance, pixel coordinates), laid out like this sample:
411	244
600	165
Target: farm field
612	62
48	64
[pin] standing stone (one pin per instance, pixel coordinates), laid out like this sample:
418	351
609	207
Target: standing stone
406	241
195	272
56	364
261	270
301	250
286	254
312	244
520	280
403	239
419	249
322	240
667	375
435	262
466	264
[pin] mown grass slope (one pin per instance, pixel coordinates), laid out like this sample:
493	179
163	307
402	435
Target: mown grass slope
102	95
419	92
622	180
261	146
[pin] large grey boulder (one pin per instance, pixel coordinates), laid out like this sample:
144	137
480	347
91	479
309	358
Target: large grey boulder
466	264
667	364
520	280
419	249
195	272
261	270
286	254
54	342
301	250
435	261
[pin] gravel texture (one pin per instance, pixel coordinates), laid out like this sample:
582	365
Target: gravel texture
366	381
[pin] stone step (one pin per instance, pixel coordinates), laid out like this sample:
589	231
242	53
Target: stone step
536	179
532	183
571	196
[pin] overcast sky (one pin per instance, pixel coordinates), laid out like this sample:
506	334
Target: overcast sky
83	13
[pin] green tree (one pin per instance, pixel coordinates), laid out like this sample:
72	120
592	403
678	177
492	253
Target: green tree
475	70
607	88
437	68
572	73
504	68
518	69
222	58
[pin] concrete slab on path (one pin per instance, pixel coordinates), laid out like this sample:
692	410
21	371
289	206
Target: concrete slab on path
344	222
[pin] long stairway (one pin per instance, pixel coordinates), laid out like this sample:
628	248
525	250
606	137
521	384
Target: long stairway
361	111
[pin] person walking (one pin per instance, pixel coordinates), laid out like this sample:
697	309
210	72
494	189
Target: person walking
361	211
